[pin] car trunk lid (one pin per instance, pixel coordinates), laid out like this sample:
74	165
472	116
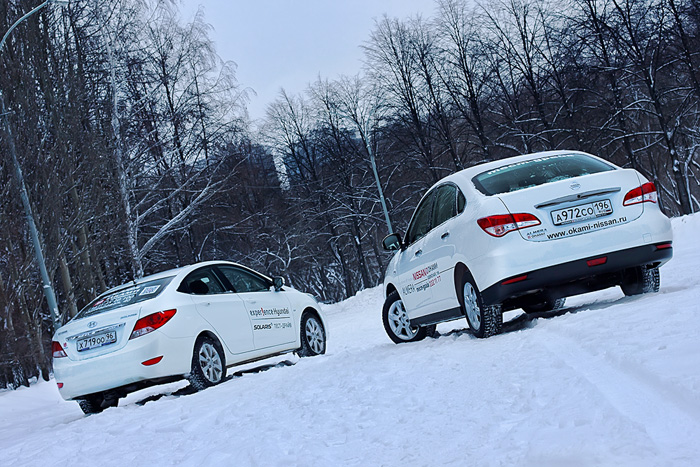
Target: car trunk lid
98	334
576	206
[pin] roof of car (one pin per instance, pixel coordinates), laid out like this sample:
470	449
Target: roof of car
170	273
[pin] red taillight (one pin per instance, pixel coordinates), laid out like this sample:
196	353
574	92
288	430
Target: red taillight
663	246
60	385
515	279
152	361
597	261
642	194
151	322
57	350
498	226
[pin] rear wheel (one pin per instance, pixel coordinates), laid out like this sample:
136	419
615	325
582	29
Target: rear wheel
484	320
91	404
397	324
641	280
96	403
208	365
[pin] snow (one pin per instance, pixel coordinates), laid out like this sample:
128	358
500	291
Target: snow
609	381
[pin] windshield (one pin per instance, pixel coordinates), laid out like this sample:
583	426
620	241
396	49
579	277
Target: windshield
537	172
125	296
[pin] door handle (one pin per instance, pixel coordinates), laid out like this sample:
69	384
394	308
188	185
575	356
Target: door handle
445	235
419	252
252	301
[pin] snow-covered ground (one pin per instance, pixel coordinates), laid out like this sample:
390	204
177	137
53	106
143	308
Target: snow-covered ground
611	381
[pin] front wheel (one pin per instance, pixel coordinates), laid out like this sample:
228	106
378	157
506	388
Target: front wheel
484	321
313	336
208	365
397	324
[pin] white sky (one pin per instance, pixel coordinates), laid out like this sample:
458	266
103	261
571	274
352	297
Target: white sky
288	43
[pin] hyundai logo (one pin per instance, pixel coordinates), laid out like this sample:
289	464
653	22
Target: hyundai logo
92	324
575	186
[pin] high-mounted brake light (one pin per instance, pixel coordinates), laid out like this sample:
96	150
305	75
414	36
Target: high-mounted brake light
642	194
151	322
499	225
57	350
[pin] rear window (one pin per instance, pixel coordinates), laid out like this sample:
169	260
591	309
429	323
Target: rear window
537	172
126	296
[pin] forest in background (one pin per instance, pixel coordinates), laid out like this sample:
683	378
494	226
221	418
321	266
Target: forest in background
138	154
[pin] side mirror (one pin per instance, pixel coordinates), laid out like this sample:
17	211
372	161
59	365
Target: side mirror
278	282
392	242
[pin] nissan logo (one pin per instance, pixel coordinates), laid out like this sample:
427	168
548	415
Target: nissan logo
575	186
92	324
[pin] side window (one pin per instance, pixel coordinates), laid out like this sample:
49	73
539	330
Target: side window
420	224
244	281
461	201
445	207
202	282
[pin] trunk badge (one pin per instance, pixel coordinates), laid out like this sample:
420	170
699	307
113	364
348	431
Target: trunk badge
92	324
575	186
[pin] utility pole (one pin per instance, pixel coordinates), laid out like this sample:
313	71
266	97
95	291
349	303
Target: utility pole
38	252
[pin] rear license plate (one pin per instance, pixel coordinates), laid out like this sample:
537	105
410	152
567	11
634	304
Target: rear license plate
98	340
582	212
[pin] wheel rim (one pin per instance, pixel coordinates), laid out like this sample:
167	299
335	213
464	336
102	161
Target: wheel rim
399	323
314	335
471	306
210	363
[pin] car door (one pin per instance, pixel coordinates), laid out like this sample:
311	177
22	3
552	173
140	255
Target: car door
269	310
224	310
439	249
411	266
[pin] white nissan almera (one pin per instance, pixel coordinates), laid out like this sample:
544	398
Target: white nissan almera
192	322
523	232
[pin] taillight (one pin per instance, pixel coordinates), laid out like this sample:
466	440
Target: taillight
501	224
151	322
642	194
57	350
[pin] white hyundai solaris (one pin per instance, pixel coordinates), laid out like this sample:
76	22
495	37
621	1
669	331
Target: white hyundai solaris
192	322
523	232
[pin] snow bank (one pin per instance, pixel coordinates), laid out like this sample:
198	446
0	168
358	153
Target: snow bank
611	381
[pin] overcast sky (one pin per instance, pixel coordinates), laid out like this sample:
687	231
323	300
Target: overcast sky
288	43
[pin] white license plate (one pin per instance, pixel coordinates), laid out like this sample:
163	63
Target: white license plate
582	212
98	340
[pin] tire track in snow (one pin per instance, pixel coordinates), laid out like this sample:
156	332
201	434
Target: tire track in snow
671	419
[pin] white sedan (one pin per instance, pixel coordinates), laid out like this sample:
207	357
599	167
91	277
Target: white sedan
523	232
192	322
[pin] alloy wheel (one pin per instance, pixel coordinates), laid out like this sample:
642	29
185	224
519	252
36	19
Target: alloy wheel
210	363
399	323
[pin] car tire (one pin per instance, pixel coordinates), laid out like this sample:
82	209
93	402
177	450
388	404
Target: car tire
313	336
396	323
484	320
641	280
91	404
208	364
547	305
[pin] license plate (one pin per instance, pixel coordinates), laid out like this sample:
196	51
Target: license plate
98	340
582	212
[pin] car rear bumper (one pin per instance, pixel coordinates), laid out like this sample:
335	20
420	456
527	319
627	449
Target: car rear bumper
576	277
124	366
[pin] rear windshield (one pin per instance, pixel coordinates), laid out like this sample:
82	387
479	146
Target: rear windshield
126	296
537	172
